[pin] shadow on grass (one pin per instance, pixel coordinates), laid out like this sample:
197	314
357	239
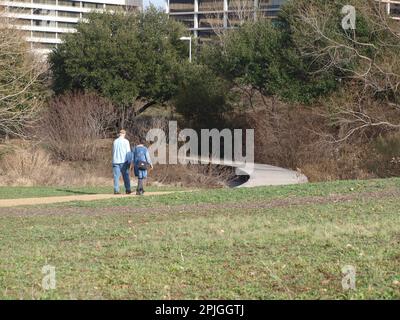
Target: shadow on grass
76	191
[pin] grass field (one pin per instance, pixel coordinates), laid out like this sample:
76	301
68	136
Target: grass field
33	192
286	242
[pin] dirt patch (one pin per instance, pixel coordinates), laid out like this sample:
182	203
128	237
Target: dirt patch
201	208
49	200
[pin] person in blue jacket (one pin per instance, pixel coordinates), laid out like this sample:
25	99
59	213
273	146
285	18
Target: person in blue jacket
140	154
120	163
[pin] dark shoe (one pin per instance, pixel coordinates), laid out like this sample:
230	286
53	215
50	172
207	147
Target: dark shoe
116	192
137	192
129	192
141	192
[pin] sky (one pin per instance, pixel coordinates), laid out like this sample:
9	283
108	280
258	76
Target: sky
157	3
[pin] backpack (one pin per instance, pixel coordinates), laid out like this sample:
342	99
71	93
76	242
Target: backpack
142	165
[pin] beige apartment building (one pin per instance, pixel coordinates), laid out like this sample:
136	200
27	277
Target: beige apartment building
43	22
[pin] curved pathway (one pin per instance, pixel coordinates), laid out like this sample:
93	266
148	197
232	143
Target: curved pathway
259	174
56	199
266	175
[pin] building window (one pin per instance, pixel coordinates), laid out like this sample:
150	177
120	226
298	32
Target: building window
44	23
69	3
181	6
187	20
68	14
43	34
92	5
211	21
211	5
205	33
44	12
395	9
25	1
20	10
66	25
50	2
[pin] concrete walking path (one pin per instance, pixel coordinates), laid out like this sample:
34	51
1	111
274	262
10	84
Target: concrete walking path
266	175
259	174
4	203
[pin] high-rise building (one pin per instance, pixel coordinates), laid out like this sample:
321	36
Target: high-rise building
393	8
204	17
43	22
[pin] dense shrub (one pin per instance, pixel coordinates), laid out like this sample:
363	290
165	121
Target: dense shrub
203	97
384	155
263	57
131	58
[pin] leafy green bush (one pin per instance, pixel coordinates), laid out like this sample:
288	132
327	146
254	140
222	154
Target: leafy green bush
263	56
132	59
202	97
306	54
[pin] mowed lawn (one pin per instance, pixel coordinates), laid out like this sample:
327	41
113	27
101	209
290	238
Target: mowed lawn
39	192
286	242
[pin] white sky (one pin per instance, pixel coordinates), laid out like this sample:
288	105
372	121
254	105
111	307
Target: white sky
157	3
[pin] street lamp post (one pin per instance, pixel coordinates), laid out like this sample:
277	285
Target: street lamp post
190	46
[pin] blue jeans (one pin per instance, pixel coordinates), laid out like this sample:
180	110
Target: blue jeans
118	169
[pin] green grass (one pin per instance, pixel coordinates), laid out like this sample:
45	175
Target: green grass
34	192
289	252
246	194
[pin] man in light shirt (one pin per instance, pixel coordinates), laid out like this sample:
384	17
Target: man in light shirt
120	163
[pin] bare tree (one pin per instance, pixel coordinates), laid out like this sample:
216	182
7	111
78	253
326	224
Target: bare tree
371	68
237	13
20	83
241	11
72	123
221	22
